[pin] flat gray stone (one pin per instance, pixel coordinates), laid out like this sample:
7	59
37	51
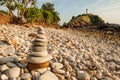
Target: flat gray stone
35	43
41	36
38	49
40	40
39	54
9	64
33	59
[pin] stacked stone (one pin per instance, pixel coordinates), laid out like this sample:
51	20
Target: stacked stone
39	57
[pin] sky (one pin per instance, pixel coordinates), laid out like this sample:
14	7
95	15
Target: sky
109	10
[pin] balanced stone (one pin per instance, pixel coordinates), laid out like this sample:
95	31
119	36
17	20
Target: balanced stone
40	40
38	49
42	36
39	54
39	43
39	57
33	66
38	60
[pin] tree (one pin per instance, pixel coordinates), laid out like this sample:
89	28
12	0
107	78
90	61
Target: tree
19	5
34	14
48	7
52	15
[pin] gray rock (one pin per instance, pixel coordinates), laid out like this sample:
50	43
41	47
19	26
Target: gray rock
13	58
48	76
57	65
32	59
22	65
81	75
13	72
9	64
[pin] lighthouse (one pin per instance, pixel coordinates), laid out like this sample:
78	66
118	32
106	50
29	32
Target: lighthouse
86	11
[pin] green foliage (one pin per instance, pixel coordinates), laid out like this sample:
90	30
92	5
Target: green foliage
51	16
33	14
19	5
48	7
95	19
26	10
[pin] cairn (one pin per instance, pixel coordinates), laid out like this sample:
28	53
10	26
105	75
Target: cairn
39	57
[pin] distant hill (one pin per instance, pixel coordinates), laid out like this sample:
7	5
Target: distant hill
91	22
84	20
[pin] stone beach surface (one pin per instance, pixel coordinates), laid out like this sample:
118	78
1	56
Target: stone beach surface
76	55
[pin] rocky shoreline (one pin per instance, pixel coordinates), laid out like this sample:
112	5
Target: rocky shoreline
76	55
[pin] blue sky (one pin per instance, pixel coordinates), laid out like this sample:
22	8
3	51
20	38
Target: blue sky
109	10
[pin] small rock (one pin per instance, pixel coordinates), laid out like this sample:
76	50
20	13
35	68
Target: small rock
106	78
6	50
26	75
59	71
81	75
3	77
73	78
13	72
57	65
3	68
13	58
10	50
42	70
60	77
22	65
48	76
35	75
9	64
27	78
93	78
